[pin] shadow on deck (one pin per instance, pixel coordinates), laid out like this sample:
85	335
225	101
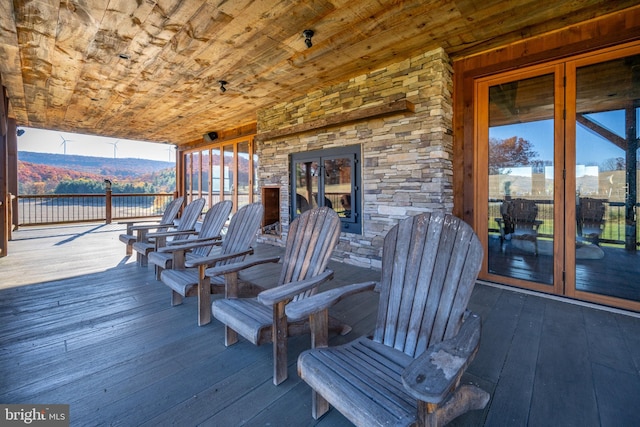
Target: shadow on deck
83	325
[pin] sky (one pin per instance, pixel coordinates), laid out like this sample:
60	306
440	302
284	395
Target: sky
591	148
45	141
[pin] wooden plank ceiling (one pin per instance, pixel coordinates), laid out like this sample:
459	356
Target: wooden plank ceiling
149	69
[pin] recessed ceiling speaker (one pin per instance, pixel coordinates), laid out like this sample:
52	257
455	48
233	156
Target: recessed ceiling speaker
211	136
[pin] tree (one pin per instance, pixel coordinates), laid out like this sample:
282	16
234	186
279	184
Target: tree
613	164
509	152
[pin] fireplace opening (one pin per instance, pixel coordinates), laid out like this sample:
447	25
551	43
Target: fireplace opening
271	203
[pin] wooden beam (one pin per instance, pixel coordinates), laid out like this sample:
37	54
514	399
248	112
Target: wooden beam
603	132
395	107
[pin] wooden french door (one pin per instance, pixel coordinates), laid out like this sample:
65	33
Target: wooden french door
557	168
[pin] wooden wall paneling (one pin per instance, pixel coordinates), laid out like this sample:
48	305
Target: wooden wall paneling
606	31
12	175
4	199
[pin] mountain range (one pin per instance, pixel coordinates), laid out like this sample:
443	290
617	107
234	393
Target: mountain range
40	173
120	168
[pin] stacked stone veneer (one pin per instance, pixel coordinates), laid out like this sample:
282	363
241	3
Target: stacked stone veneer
407	157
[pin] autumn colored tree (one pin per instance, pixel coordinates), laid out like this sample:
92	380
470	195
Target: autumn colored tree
509	152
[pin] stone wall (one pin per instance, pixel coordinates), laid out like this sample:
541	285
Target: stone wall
407	157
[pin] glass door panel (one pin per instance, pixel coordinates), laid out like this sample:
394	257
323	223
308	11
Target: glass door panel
306	185
338	186
188	182
215	175
195	176
521	182
244	171
227	171
607	111
205	178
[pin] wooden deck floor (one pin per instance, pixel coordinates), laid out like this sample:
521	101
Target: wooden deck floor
82	324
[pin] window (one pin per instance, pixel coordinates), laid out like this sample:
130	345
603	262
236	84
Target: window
224	171
331	178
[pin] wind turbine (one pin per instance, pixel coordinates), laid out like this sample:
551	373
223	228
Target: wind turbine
115	147
171	149
64	144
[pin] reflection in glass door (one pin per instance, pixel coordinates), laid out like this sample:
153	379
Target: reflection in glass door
558	177
243	171
521	182
607	111
306	186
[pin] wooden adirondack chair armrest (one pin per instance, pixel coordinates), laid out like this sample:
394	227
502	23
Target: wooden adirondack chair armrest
239	266
289	290
215	258
139	222
172	233
436	372
185	245
131	224
206	241
147	226
323	300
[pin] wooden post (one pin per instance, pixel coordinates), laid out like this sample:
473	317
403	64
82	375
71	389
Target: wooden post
4	196
631	196
107	184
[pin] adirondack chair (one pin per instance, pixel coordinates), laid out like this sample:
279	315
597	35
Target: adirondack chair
310	242
408	372
519	222
590	218
189	279
194	247
185	228
137	230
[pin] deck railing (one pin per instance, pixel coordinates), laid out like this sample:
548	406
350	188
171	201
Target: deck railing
65	208
614	221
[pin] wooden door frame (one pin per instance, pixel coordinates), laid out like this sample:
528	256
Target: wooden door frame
481	87
609	31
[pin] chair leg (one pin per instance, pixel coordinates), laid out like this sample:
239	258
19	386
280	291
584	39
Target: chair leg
319	405
319	339
279	343
231	291
204	301
230	336
176	298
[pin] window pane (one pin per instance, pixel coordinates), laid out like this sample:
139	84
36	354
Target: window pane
243	173
205	177
607	170
228	168
521	179
188	174
215	175
306	185
338	186
195	175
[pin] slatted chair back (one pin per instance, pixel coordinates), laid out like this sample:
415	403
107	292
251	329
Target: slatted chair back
134	234
212	225
523	211
171	211
189	217
591	211
242	231
429	266
310	242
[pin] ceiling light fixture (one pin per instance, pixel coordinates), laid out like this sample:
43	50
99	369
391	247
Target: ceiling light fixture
307	34
222	84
